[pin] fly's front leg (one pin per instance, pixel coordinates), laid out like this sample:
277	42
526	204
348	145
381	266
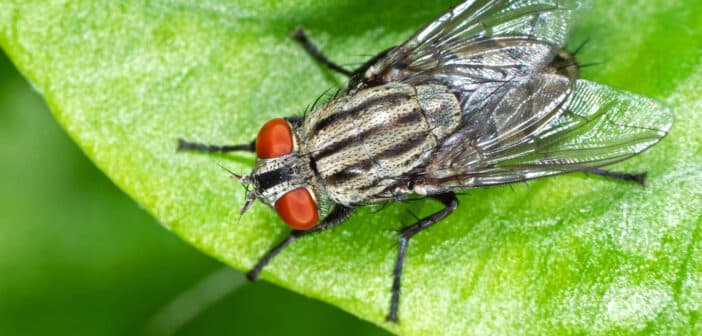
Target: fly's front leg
184	145
450	202
299	35
638	178
336	217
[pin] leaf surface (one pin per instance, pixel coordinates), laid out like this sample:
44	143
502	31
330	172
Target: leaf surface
571	254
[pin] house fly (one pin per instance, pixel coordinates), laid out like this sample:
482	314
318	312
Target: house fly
484	95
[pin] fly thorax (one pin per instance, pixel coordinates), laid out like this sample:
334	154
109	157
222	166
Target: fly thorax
363	143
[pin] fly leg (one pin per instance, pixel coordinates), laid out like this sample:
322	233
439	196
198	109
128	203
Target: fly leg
450	201
299	35
336	217
198	147
184	145
638	178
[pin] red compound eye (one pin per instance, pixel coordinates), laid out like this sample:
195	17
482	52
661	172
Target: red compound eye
274	139
297	209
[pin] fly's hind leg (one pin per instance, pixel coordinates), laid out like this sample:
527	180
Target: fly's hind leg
450	202
638	178
299	35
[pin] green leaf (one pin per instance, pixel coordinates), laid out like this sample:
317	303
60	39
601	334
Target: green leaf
571	254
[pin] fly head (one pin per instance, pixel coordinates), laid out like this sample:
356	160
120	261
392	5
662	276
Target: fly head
282	176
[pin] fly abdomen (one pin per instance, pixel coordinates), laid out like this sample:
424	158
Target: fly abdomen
363	143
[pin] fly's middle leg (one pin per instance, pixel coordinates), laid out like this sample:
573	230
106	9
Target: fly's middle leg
336	217
638	178
299	35
451	203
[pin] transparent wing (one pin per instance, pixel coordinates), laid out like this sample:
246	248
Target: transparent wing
480	41
545	125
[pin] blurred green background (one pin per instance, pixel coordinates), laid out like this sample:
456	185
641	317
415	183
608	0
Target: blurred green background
78	257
